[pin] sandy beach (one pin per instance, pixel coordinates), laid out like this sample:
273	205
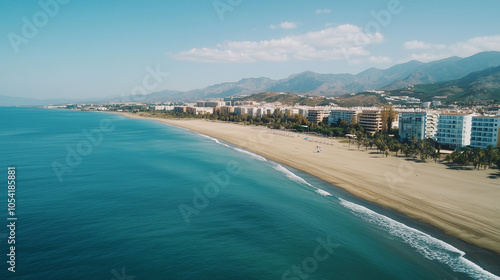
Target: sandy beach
462	203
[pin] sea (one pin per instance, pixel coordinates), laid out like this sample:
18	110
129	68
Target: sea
101	196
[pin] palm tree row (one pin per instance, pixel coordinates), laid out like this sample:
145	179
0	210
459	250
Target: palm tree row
475	156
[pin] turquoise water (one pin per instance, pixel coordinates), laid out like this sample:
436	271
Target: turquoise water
100	196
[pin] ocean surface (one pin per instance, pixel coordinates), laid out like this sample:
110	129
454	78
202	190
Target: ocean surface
100	196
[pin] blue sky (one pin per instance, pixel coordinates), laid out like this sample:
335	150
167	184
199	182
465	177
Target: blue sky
88	49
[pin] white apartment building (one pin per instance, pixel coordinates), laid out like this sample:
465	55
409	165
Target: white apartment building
421	124
241	110
164	108
485	131
292	111
350	116
454	129
199	110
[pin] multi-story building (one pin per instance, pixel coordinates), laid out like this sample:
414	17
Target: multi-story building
303	111
226	110
241	110
199	110
292	111
180	109
164	108
316	115
454	129
485	131
350	116
266	111
370	120
421	124
212	104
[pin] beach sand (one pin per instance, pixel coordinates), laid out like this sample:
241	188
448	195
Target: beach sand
462	203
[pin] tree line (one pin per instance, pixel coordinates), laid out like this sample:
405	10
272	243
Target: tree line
386	141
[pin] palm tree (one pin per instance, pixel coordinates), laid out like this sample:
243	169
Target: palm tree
413	139
405	149
491	155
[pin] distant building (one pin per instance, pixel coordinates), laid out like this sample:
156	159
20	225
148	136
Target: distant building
292	111
421	124
350	116
370	120
226	110
316	115
212	104
180	109
485	131
454	130
164	108
436	103
240	110
199	110
303	111
245	103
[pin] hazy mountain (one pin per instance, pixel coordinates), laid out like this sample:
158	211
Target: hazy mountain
447	69
310	83
397	76
480	85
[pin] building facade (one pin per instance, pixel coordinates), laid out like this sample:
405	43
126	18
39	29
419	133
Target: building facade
454	130
421	124
485	131
350	116
371	120
316	116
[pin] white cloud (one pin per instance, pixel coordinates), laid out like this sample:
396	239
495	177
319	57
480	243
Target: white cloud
334	43
285	25
411	45
470	47
380	59
323	11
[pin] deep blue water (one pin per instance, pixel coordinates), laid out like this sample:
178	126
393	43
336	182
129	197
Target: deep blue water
100	196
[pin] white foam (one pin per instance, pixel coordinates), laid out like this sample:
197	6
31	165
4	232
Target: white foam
255	156
214	139
290	175
430	247
322	192
294	177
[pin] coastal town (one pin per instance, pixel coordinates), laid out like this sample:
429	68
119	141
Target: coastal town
450	126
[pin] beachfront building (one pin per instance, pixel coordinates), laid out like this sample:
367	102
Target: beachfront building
164	108
264	111
485	131
350	116
421	124
454	129
370	120
180	109
316	115
240	110
199	110
225	110
292	111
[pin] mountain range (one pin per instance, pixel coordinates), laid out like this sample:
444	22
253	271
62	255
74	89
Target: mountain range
477	86
396	77
314	84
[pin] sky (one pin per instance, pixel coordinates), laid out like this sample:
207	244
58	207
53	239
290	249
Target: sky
99	49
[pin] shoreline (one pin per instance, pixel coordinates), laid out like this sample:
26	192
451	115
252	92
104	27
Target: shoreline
463	204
